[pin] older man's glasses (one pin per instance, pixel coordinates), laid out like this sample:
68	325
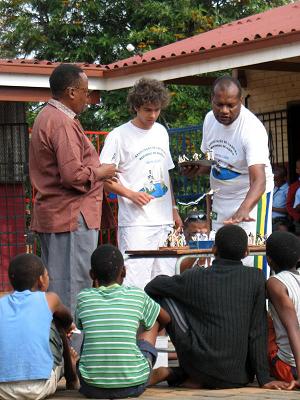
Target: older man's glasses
86	91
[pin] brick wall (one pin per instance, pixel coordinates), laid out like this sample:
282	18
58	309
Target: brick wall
270	91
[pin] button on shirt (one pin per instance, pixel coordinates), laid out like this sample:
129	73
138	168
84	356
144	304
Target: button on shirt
279	199
62	162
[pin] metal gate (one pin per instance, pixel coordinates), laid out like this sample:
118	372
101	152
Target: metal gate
186	141
15	191
275	123
13	178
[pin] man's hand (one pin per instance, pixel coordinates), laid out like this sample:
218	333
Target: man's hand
257	188
140	198
277	385
106	171
192	171
177	220
241	215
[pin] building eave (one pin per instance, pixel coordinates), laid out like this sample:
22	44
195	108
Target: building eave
216	59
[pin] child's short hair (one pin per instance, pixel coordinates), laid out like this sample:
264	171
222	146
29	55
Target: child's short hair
283	225
24	270
195	216
106	262
231	242
284	249
147	91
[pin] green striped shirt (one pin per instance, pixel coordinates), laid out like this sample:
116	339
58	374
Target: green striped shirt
110	317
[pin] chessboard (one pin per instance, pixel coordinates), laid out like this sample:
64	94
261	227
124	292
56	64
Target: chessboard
165	248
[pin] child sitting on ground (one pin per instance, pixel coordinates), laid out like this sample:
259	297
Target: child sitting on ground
194	223
218	319
30	347
113	363
283	253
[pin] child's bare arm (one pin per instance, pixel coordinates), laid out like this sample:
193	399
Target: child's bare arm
277	293
61	313
163	318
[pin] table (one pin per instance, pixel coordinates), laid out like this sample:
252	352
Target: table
183	253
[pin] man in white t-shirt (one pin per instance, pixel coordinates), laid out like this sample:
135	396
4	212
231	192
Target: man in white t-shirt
242	178
147	210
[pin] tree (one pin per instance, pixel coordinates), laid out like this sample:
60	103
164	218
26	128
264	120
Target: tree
99	31
230	10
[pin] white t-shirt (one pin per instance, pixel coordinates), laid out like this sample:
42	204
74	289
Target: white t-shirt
144	159
297	198
236	147
291	281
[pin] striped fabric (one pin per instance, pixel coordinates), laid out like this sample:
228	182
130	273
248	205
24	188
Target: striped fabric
110	317
263	227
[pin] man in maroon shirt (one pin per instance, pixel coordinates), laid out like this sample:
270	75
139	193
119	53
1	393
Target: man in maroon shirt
68	179
294	212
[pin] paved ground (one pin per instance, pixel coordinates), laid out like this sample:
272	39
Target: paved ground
164	392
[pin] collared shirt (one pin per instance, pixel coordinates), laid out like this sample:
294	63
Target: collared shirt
279	199
60	106
62	162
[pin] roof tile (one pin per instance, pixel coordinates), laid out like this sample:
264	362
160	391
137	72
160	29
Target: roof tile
274	22
278	21
43	67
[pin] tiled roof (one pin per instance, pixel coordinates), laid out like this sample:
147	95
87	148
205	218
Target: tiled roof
278	25
25	66
278	22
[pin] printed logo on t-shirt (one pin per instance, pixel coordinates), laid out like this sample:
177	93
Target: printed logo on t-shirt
155	185
224	174
153	159
214	216
223	148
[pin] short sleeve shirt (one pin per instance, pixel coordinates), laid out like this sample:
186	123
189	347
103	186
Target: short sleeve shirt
279	199
236	147
144	159
110	317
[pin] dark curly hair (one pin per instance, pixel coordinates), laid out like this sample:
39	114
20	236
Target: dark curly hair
106	262
24	271
283	248
231	242
147	91
63	76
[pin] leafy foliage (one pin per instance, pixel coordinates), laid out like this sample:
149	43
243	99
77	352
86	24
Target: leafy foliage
99	31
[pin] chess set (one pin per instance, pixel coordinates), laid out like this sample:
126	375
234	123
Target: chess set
176	240
201	159
256	240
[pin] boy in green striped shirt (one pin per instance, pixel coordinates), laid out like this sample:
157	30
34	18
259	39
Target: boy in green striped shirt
116	362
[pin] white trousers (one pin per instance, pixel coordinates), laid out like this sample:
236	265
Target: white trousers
140	271
31	390
262	214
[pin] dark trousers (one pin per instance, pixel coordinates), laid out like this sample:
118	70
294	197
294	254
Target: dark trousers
178	330
93	392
